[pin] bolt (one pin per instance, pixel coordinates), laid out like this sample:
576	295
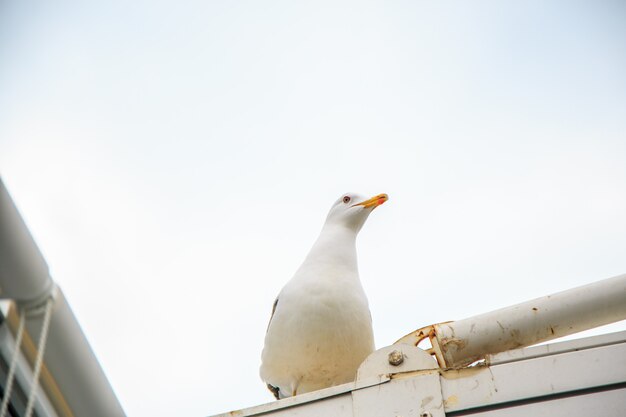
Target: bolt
396	358
425	415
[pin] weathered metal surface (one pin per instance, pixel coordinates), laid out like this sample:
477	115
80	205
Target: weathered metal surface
407	394
402	380
377	364
524	354
569	379
459	343
419	335
537	377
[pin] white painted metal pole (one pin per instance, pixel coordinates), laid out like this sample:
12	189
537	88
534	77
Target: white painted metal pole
24	278
24	275
561	314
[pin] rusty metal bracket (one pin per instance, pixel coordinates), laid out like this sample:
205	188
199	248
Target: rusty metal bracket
419	335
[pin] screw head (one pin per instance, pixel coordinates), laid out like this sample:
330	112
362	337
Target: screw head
396	357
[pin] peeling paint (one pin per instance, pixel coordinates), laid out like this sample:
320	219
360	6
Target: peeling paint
458	343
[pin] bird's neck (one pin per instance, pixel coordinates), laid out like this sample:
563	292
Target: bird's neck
335	245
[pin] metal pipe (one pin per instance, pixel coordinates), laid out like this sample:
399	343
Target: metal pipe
24	275
73	378
462	342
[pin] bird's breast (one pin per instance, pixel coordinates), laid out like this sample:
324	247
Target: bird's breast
322	313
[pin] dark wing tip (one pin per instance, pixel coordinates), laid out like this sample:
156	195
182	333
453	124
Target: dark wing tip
272	315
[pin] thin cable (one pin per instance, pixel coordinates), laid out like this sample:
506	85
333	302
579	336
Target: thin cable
10	375
39	361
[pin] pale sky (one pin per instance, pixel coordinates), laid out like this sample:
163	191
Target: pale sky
175	162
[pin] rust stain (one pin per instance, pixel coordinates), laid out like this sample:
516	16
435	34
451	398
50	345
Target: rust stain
418	336
451	401
411	374
433	332
463	372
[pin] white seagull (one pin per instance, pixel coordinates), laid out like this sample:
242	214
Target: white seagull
321	328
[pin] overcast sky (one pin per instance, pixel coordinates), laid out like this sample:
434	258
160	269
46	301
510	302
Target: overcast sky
176	160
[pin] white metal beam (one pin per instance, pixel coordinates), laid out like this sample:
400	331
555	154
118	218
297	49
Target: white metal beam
459	343
24	278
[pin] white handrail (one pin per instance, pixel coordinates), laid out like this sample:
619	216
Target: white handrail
462	342
24	278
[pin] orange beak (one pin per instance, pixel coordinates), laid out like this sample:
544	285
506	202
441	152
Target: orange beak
373	202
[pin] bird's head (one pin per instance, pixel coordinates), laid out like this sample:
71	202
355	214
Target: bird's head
351	210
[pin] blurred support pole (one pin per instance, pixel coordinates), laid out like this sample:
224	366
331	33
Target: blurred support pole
73	380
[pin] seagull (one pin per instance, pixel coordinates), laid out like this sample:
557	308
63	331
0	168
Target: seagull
320	329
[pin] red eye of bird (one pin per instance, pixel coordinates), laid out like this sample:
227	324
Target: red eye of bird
346	199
